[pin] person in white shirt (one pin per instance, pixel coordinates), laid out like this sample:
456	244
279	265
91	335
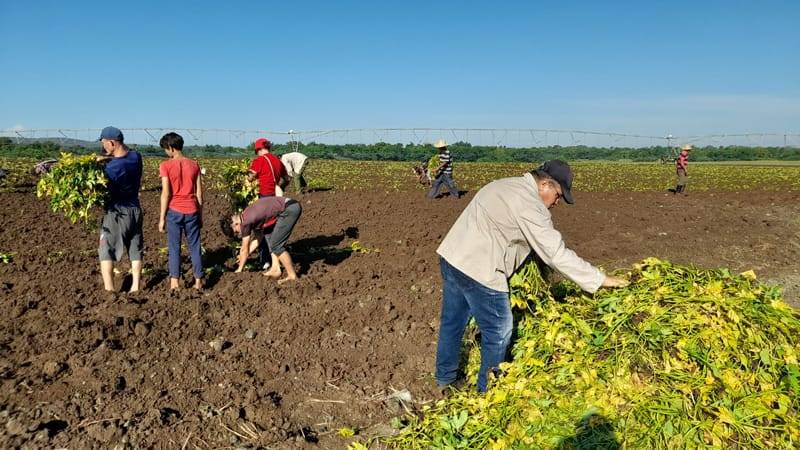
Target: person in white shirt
295	163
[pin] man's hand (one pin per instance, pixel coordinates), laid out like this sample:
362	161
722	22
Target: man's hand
103	158
615	282
161	225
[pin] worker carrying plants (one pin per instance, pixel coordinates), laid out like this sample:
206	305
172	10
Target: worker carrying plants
489	241
122	222
443	175
681	164
249	225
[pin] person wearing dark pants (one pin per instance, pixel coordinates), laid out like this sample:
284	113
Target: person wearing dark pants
681	169
504	222
444	173
250	223
272	178
181	208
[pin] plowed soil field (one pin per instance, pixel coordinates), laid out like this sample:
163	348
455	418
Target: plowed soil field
80	368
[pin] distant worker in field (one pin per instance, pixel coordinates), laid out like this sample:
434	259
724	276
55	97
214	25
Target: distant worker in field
681	166
249	225
504	222
181	208
295	164
443	175
272	178
122	221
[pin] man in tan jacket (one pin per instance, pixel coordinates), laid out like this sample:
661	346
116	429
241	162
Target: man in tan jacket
504	222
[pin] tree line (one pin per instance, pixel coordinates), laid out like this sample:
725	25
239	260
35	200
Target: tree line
462	151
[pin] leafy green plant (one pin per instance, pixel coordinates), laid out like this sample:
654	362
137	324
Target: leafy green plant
240	191
75	185
6	258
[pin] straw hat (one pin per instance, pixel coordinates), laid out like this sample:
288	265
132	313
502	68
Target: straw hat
440	143
688	147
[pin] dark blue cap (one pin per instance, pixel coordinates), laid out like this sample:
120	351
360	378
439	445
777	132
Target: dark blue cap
111	133
560	171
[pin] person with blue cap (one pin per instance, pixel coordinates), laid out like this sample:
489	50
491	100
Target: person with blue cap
490	240
122	222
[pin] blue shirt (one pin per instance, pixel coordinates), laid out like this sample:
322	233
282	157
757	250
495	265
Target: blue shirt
124	179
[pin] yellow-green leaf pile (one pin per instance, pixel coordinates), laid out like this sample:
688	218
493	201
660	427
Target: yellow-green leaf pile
240	191
75	185
681	358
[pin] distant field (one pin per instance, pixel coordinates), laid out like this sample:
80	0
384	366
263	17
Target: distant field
589	176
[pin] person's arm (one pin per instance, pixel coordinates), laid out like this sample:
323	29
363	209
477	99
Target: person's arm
244	252
547	242
166	194
253	172
283	179
199	191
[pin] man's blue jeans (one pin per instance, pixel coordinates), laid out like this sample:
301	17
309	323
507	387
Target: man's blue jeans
464	297
445	179
178	224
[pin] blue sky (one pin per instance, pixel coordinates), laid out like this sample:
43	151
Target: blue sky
635	67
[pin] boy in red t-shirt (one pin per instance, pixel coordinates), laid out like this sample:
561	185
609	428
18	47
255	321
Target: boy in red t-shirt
181	207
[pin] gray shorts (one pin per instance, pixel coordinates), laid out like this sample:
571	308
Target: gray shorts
121	230
284	226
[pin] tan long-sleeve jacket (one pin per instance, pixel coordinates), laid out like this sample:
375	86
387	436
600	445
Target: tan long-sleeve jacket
499	228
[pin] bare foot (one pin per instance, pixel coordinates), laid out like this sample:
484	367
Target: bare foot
286	279
274	274
198	284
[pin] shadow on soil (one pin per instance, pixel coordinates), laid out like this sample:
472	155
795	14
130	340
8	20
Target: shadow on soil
306	251
592	432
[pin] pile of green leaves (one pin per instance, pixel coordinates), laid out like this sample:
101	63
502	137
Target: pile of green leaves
681	358
240	191
75	185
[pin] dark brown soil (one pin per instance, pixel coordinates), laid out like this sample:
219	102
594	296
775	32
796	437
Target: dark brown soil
84	369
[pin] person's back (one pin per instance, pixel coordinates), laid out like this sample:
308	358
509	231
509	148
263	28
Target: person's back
124	179
267	168
183	175
294	162
446	160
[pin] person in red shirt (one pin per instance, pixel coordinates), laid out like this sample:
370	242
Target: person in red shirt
272	178
181	207
268	169
681	166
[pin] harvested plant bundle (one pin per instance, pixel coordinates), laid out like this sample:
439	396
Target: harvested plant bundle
681	358
240	191
433	163
75	185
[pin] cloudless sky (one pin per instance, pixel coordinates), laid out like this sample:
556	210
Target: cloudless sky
637	67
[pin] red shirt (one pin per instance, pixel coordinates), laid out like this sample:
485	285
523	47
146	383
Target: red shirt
683	161
183	175
269	169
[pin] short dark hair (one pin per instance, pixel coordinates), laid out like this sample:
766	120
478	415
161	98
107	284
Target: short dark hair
171	140
225	225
